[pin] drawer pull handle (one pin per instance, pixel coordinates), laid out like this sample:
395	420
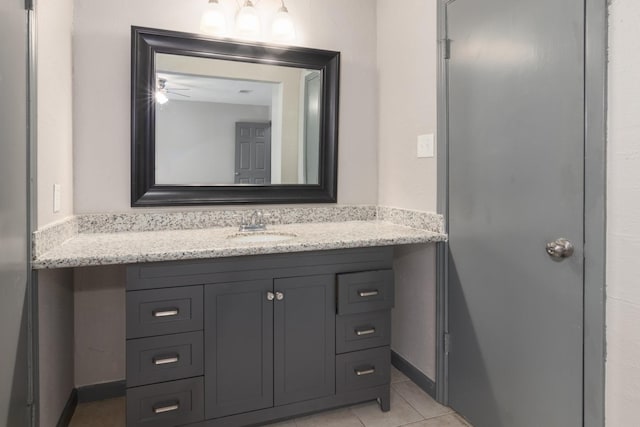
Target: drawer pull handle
166	312
166	360
362	372
361	332
166	408
368	293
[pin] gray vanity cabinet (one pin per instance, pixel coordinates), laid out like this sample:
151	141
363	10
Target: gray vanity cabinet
239	347
304	325
243	341
268	343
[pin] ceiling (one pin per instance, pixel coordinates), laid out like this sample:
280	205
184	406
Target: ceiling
196	88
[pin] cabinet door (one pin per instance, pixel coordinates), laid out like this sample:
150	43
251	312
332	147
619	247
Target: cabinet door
304	338
238	348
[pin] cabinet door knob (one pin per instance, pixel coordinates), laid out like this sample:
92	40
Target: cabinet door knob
271	296
279	296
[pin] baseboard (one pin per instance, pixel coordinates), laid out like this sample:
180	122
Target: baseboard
414	374
91	393
69	409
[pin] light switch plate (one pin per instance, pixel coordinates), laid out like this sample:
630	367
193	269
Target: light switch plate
426	146
56	198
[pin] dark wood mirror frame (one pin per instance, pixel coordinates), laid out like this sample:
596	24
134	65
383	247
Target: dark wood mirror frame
146	42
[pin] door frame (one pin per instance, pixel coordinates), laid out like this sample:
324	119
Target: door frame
32	212
595	113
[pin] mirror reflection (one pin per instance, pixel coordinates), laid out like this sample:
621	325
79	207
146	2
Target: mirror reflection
221	122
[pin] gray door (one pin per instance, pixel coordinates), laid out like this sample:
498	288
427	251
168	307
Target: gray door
516	147
253	153
238	348
14	265
304	338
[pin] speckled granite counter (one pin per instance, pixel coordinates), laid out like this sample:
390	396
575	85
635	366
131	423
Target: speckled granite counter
86	248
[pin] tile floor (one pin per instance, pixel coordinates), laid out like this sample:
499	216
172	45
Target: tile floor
410	406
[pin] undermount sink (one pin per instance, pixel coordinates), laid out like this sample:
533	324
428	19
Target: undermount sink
261	236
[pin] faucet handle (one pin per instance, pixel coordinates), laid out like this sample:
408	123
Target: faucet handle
255	223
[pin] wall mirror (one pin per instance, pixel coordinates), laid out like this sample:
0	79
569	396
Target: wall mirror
221	122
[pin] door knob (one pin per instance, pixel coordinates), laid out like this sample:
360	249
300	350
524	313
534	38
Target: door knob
271	296
279	296
560	249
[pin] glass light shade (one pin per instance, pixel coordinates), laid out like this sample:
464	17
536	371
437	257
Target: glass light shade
248	21
282	28
213	20
161	98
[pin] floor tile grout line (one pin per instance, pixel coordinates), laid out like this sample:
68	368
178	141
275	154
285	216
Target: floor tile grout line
450	411
408	403
426	419
400	397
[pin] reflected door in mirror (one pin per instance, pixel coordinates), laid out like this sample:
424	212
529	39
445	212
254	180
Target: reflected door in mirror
253	153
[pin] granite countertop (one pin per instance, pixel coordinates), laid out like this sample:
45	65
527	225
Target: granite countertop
87	249
103	239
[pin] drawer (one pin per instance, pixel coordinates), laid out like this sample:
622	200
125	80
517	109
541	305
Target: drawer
363	369
361	331
166	404
164	311
164	358
365	291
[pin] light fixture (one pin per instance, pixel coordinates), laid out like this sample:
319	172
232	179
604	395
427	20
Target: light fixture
248	21
161	98
282	28
161	92
213	20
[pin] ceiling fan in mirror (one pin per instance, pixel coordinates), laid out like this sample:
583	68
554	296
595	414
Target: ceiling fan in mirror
163	91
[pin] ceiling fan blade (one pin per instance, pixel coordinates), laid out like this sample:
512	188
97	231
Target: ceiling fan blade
179	94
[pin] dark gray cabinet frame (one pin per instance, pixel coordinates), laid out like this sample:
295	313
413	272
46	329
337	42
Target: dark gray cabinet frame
238	310
281	270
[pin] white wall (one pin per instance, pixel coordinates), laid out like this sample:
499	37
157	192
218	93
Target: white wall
407	69
407	66
623	235
196	141
102	75
55	148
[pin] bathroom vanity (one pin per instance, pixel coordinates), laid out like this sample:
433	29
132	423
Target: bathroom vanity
283	335
235	329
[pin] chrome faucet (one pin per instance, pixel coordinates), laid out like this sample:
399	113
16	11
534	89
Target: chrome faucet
256	222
